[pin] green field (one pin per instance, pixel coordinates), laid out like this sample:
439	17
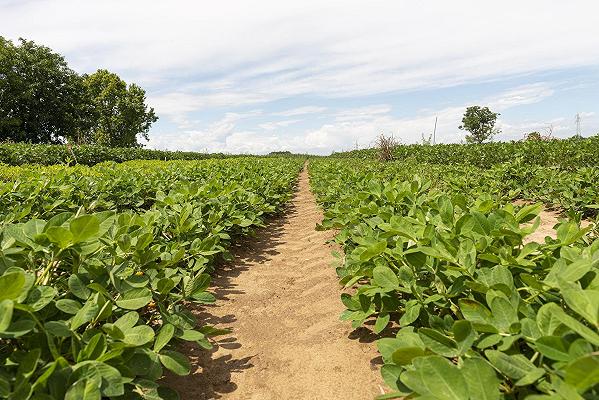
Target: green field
100	266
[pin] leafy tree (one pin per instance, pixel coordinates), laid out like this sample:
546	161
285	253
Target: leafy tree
41	99
121	112
480	122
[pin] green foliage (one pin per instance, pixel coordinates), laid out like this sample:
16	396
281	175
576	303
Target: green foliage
120	112
567	153
480	122
96	277
41	99
43	154
481	312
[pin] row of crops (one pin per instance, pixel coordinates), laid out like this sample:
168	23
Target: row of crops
438	263
99	267
51	154
571	153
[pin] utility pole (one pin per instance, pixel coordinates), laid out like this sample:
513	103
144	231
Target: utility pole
435	131
578	125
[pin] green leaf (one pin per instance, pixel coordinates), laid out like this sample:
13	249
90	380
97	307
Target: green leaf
583	373
436	377
175	362
11	285
84	227
78	288
135	299
464	335
138	335
85	314
385	277
553	347
386	346
390	374
411	313
405	355
584	302
60	235
503	314
127	321
6	310
18	328
40	296
84	389
164	337
381	322
68	306
58	328
514	366
481	379
438	342
373	250
478	314
94	348
570	322
191	335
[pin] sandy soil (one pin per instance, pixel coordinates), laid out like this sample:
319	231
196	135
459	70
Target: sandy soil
549	218
280	298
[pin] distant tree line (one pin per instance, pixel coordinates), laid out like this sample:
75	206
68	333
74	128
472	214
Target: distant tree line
42	100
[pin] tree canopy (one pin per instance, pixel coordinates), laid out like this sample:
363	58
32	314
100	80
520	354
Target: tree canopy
480	122
42	100
122	114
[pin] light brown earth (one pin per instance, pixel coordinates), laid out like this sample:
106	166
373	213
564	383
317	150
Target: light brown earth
280	298
549	218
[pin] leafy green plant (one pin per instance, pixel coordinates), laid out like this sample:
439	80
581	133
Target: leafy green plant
47	154
569	153
97	279
479	311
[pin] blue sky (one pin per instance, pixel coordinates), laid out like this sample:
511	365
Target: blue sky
320	76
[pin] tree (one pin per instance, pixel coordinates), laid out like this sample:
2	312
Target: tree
121	112
480	122
41	99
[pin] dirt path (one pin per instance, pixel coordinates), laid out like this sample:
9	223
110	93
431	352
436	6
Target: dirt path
280	298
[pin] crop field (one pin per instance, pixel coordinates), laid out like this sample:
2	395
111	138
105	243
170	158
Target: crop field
438	255
100	265
111	273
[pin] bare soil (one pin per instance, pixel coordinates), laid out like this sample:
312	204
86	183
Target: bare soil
549	218
280	299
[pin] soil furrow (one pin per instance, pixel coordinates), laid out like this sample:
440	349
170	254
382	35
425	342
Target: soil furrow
280	299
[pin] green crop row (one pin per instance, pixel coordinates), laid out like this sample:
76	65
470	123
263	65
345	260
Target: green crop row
50	154
100	265
571	191
466	306
567	153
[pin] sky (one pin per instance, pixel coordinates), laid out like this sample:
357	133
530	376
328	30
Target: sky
322	76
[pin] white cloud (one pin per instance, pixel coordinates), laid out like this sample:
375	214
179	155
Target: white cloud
242	52
270	126
301	111
360	126
362	113
195	56
526	94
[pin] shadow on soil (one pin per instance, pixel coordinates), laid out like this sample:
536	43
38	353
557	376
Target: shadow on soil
211	374
365	334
